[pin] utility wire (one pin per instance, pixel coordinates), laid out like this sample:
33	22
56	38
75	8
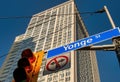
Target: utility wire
100	11
3	55
18	17
44	36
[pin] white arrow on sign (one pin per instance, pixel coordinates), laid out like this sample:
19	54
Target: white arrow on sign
109	34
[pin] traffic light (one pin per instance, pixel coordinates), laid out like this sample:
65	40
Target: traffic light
28	54
28	66
19	75
24	63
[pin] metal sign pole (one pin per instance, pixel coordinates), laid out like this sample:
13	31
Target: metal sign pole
109	17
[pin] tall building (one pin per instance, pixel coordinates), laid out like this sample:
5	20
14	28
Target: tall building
50	29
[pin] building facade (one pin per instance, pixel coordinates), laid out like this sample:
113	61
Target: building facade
50	29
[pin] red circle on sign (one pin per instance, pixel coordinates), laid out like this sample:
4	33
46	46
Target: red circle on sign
57	63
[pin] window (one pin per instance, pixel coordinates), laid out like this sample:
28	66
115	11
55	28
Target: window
61	76
55	78
68	73
67	79
49	79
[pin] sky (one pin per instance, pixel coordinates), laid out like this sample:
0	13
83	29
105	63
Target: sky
95	23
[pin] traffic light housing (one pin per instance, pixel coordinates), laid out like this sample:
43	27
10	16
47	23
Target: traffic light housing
28	54
24	63
31	63
37	64
19	75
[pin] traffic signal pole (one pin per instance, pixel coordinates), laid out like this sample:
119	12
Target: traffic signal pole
110	47
115	46
116	40
109	17
105	47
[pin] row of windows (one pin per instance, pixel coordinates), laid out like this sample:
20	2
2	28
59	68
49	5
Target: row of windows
33	20
37	31
61	10
59	37
59	43
42	17
55	79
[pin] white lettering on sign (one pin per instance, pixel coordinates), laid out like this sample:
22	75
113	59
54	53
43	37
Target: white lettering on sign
94	39
97	36
78	44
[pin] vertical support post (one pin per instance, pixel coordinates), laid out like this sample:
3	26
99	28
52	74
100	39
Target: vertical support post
116	40
109	17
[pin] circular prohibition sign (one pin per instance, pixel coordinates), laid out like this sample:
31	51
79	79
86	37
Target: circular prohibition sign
57	63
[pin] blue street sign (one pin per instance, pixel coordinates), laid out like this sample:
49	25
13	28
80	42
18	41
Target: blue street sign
85	42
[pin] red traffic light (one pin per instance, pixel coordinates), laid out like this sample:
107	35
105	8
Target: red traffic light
27	53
